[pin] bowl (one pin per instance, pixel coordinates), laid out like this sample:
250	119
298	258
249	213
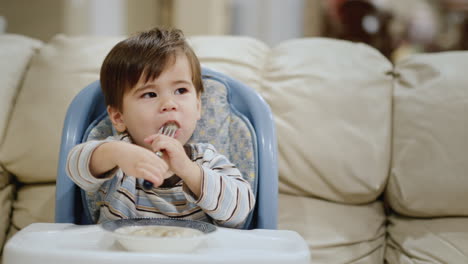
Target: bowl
161	235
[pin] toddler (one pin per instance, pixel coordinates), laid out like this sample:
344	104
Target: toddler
152	81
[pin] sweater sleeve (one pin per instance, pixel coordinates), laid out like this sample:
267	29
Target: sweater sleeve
78	166
225	196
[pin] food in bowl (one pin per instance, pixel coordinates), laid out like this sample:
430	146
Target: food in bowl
159	235
159	231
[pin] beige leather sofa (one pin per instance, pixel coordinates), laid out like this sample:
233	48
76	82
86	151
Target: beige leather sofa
373	157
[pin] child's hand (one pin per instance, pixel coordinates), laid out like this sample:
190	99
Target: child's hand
174	153
140	163
176	158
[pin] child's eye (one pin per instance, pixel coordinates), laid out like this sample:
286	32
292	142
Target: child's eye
181	91
149	95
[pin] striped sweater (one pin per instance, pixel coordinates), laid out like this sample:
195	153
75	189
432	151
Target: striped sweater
226	198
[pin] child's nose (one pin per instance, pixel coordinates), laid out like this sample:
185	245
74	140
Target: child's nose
168	105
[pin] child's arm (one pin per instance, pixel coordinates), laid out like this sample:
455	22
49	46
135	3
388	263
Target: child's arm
90	164
216	185
225	195
103	158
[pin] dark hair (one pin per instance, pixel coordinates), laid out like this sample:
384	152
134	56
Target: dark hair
146	53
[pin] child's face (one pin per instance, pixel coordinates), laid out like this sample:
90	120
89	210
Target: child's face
169	98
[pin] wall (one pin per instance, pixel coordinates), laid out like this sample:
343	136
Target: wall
42	19
271	21
38	19
201	17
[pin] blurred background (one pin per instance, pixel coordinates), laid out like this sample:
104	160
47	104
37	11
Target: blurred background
395	27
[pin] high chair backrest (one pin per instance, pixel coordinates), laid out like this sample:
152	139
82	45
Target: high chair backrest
235	119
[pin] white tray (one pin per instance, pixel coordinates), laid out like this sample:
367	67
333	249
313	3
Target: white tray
68	243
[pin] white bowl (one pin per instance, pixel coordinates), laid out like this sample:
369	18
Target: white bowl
153	234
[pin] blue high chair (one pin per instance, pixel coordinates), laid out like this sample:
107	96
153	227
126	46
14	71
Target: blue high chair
235	119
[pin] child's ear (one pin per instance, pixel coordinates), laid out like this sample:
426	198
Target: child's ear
117	119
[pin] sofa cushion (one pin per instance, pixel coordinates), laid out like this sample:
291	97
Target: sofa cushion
441	240
15	51
34	203
5	178
61	69
336	233
6	198
430	136
242	58
332	107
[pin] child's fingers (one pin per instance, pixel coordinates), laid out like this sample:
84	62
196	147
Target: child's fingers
157	167
166	143
151	175
157	141
149	139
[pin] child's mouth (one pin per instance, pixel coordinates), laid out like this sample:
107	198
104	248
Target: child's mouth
168	128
